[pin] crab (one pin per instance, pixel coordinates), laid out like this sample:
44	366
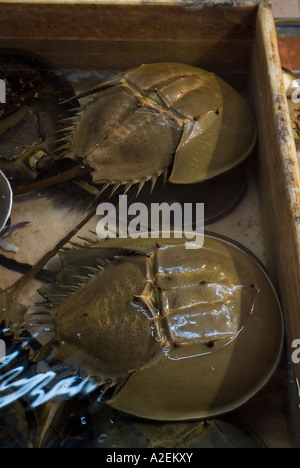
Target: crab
162	119
31	116
168	119
163	332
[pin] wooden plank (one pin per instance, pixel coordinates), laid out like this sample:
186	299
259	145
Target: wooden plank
279	184
127	20
116	36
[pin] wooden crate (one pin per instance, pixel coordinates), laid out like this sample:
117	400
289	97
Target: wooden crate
235	39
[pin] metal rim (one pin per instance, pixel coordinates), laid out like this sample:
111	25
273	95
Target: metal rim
6	200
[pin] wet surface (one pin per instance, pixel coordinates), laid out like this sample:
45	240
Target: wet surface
86	422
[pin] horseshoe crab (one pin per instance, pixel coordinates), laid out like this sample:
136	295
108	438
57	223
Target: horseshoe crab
31	116
155	122
168	333
160	119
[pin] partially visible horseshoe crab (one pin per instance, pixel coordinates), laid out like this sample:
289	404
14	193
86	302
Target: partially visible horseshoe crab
156	122
169	333
31	115
161	118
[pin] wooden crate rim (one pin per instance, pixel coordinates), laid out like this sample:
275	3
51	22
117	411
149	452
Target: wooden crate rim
184	3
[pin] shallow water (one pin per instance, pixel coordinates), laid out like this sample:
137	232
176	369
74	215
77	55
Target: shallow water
33	418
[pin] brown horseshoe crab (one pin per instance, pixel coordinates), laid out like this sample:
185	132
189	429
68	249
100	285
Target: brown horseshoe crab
162	119
31	116
166	119
169	333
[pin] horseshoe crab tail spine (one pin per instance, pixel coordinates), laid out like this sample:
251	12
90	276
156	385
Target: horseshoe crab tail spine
19	267
77	171
109	389
14	290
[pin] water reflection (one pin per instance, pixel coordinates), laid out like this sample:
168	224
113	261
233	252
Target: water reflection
38	388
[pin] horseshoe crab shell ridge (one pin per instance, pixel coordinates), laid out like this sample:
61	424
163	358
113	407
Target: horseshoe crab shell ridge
176	334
